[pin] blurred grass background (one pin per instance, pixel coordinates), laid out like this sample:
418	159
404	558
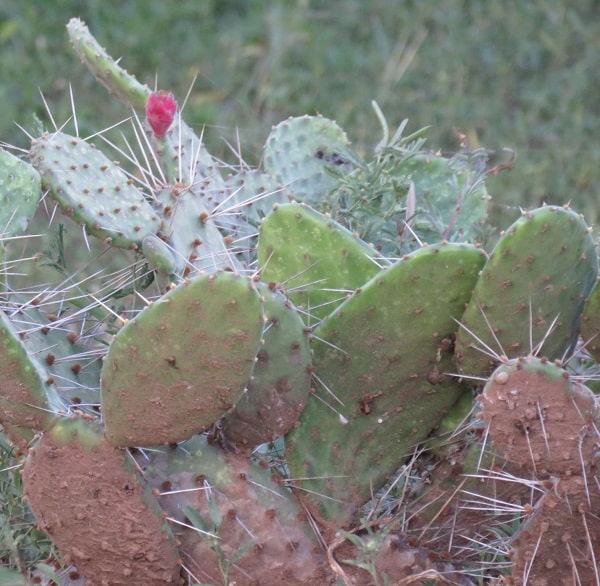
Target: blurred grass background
511	74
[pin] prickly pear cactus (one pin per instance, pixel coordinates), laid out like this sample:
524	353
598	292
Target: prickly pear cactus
93	190
298	153
280	382
318	261
20	191
547	424
291	367
186	358
228	512
29	399
253	194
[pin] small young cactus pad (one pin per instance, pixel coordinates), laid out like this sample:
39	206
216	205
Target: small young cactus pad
108	72
93	190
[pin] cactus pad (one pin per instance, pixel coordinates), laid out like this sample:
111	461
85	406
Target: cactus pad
318	261
181	363
93	190
278	388
75	372
298	153
20	191
531	291
116	80
29	399
191	232
96	511
536	417
253	194
243	512
546	425
381	363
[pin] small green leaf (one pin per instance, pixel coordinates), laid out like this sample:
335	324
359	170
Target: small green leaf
215	514
240	551
198	522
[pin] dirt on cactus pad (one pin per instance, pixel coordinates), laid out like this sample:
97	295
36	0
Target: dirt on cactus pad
549	426
94	511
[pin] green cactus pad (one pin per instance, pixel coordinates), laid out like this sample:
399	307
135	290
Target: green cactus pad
185	159
116	80
318	261
29	399
381	363
253	194
191	231
96	510
76	372
243	511
20	191
531	291
590	323
93	190
181	363
298	153
280	382
160	256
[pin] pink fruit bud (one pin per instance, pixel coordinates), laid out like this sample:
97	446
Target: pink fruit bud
160	111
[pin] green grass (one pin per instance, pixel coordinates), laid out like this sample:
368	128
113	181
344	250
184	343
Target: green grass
22	545
516	75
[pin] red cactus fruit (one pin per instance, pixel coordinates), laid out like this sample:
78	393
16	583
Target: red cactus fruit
160	111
